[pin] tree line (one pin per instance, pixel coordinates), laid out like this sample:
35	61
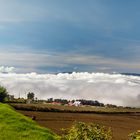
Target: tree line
31	96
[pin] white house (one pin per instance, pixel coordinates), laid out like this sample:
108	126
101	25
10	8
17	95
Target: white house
77	103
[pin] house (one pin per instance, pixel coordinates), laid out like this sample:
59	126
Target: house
77	103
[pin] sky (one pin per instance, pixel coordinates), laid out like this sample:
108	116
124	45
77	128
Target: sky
39	38
52	36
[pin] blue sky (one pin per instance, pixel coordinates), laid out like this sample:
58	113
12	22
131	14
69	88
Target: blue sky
70	35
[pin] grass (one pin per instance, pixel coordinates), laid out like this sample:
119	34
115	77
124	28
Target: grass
15	126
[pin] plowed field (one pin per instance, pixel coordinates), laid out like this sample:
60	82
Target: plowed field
121	124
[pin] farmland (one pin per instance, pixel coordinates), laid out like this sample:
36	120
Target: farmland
121	120
74	109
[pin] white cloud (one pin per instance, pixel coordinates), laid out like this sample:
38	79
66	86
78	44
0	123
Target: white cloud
107	88
7	69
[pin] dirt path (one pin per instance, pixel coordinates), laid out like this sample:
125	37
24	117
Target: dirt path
121	125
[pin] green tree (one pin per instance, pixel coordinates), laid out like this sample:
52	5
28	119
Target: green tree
30	95
3	93
91	131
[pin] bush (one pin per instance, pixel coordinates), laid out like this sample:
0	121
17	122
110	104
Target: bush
135	135
3	93
83	131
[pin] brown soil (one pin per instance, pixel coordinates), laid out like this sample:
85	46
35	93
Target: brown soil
121	125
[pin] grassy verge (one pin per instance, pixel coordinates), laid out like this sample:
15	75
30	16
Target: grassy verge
14	126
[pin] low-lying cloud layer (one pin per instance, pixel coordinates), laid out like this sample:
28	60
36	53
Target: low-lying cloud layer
7	69
107	88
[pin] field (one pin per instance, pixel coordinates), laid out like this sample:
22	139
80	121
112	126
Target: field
74	109
121	125
121	120
15	126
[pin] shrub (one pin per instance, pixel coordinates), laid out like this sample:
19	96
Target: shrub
83	131
135	135
3	93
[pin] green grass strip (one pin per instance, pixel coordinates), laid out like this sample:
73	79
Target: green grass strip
15	126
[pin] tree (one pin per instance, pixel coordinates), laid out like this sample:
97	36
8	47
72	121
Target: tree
30	95
50	100
3	93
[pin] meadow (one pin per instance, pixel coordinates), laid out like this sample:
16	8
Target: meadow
15	126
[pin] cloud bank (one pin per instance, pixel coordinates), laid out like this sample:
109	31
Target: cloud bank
107	88
7	69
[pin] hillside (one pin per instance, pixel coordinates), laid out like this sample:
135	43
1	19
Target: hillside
14	126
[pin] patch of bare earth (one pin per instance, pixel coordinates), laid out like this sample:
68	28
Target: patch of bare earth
121	125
